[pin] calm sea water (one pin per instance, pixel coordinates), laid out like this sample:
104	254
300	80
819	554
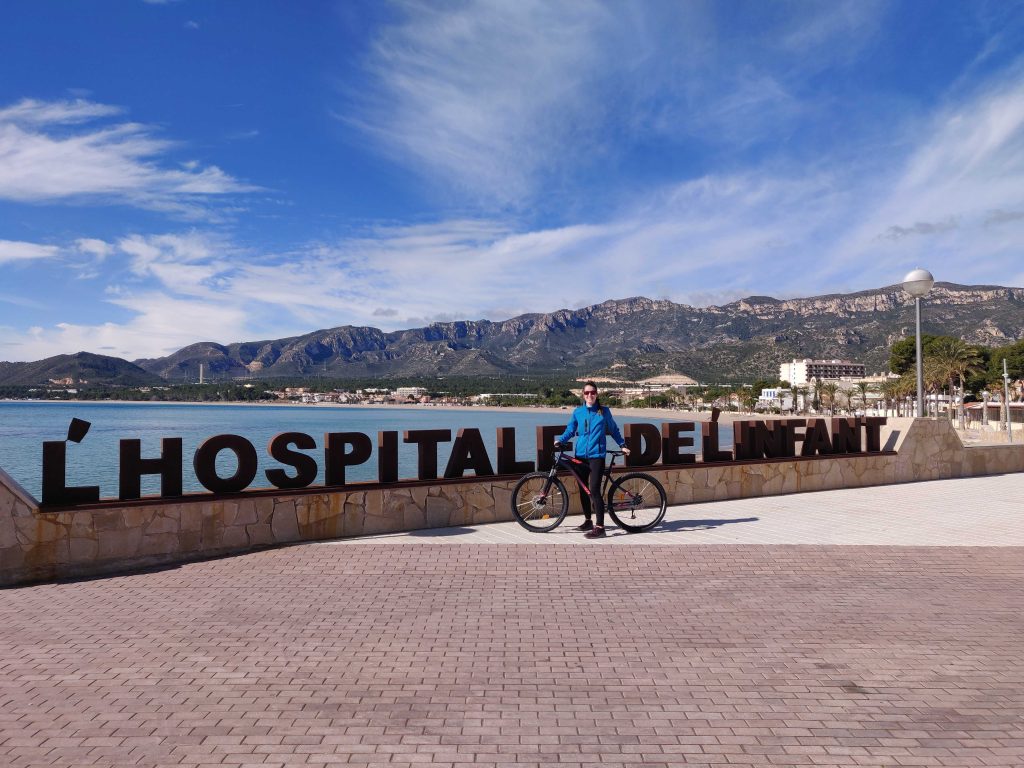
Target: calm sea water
25	425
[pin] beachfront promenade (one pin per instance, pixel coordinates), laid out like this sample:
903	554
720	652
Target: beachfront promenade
878	626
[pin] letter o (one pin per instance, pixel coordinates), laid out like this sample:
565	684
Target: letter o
205	463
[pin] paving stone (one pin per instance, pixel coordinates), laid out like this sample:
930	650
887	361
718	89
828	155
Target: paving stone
854	631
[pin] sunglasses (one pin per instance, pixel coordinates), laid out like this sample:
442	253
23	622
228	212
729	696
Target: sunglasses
587	392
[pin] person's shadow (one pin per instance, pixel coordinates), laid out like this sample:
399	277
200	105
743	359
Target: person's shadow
701	525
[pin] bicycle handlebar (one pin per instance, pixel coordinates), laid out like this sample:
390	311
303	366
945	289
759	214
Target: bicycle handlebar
564	447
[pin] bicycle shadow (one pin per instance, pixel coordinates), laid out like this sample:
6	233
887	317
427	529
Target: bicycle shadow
701	525
454	530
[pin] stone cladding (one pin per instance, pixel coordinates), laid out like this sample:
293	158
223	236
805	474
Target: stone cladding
40	545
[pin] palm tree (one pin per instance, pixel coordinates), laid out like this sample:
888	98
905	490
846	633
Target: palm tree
996	385
890	391
953	361
864	387
829	392
907	388
800	395
816	386
935	376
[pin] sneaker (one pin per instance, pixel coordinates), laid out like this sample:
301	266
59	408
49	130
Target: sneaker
586	525
596	533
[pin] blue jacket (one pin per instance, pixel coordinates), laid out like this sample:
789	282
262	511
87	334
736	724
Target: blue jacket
590	423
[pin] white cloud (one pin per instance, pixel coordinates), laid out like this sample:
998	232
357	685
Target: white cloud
21	301
504	101
15	251
184	264
950	203
96	248
946	193
161	325
836	28
48	154
32	112
484	93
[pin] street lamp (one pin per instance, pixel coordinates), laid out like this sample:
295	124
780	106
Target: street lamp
917	283
1006	397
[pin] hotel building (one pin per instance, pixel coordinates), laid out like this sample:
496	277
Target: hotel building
799	372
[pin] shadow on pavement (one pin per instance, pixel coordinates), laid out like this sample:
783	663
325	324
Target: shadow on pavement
701	525
436	532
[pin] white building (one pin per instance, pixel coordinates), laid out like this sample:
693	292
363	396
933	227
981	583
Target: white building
413	392
665	381
798	372
776	398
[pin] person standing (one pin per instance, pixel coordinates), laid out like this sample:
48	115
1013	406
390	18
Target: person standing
592	422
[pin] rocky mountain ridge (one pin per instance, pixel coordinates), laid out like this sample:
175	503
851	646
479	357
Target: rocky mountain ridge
744	339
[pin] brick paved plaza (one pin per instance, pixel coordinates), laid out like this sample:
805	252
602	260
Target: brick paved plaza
442	649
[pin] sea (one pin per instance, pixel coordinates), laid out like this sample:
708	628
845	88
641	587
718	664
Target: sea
25	425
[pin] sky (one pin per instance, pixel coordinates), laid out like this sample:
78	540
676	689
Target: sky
174	171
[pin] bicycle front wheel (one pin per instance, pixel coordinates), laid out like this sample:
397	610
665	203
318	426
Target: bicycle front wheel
636	502
539	502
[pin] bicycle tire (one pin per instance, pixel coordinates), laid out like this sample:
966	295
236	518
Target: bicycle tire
636	502
535	509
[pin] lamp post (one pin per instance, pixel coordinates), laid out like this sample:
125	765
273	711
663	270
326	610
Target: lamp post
1006	397
917	283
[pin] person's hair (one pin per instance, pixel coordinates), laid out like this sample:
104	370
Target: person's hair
597	400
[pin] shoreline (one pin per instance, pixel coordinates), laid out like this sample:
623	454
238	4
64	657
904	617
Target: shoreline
650	413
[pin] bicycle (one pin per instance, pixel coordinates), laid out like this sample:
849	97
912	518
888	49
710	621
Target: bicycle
636	501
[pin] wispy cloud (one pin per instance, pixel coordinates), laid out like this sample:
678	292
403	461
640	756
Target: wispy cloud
960	184
502	101
920	228
33	113
54	152
1002	217
834	29
495	90
14	251
19	301
713	239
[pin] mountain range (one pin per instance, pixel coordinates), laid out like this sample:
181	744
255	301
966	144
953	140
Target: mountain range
628	338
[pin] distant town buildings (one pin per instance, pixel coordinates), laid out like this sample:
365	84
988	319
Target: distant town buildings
627	391
678	381
798	372
486	396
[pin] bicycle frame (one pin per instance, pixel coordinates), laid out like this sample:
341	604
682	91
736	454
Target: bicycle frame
569	463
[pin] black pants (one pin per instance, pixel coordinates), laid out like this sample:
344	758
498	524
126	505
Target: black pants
592	472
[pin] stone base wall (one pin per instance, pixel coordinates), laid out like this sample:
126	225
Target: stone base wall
105	538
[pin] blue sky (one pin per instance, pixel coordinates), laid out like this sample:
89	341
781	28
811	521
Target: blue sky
179	171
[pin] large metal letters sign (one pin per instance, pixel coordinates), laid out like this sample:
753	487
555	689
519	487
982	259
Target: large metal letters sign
752	441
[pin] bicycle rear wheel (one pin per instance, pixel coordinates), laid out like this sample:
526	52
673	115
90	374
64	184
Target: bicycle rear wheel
636	502
539	502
